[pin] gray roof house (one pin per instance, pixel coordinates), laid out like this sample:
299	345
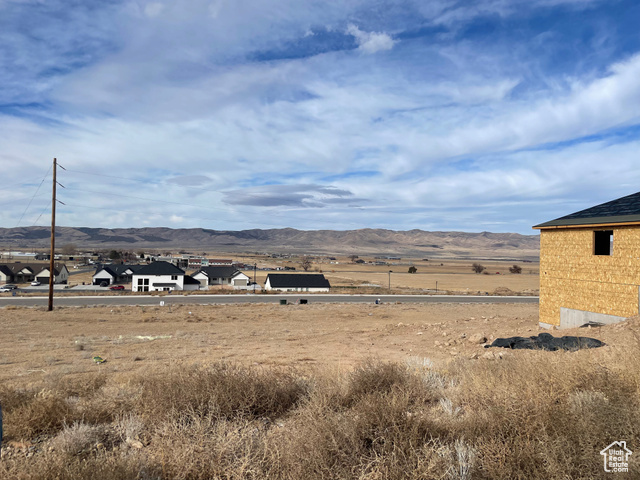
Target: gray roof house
28	272
221	275
118	273
297	282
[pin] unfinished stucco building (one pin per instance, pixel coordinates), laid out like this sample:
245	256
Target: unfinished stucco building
590	265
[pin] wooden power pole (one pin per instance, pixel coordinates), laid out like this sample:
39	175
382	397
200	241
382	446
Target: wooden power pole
53	235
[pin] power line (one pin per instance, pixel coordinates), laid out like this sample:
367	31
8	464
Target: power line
34	196
20	201
41	213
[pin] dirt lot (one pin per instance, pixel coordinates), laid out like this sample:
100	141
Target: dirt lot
36	344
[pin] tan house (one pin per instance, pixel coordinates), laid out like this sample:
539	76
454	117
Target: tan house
590	265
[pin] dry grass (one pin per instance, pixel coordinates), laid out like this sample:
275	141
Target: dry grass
543	415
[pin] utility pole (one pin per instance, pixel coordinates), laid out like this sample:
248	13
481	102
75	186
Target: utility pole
390	271
255	266
53	235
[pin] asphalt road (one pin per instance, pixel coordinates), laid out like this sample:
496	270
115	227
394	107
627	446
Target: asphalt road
178	299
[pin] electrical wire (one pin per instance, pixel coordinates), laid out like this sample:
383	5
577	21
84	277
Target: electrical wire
34	195
45	209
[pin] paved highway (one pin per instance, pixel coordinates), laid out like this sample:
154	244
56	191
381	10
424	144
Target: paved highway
178	299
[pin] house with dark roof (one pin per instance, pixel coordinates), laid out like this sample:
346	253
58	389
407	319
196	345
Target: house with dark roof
28	272
297	282
162	277
590	265
112	274
221	275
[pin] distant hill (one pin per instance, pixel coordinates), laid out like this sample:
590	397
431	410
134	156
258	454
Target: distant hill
364	241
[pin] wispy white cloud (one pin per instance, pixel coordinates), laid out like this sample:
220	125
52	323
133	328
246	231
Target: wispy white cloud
468	121
371	42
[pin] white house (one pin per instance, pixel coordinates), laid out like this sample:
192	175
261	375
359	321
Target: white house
222	275
162	276
297	282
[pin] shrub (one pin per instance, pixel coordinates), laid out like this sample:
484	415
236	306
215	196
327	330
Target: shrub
477	268
515	269
223	391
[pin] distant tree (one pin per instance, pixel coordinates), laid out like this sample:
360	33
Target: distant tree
412	269
353	258
305	263
115	255
141	254
515	269
478	268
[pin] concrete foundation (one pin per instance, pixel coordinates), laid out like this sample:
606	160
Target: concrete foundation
570	318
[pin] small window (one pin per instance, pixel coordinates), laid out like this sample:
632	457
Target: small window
603	242
174	277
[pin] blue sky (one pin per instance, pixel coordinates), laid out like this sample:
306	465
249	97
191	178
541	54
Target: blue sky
442	115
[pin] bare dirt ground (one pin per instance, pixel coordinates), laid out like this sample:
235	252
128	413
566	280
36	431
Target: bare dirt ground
36	345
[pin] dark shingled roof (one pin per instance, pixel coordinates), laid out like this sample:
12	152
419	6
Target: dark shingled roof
298	280
118	270
189	280
160	268
218	271
36	268
622	210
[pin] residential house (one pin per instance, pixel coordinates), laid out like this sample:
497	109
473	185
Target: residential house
297	282
221	275
162	276
117	273
590	265
28	272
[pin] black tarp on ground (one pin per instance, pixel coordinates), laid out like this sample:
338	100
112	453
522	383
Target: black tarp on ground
546	341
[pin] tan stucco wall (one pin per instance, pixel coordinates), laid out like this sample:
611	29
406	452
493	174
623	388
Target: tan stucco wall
572	277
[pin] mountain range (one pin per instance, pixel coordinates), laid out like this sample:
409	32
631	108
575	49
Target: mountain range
285	240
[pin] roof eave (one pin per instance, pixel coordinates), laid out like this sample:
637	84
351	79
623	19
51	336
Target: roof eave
622	220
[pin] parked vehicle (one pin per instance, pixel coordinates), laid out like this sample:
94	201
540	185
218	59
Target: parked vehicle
116	287
35	283
8	288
